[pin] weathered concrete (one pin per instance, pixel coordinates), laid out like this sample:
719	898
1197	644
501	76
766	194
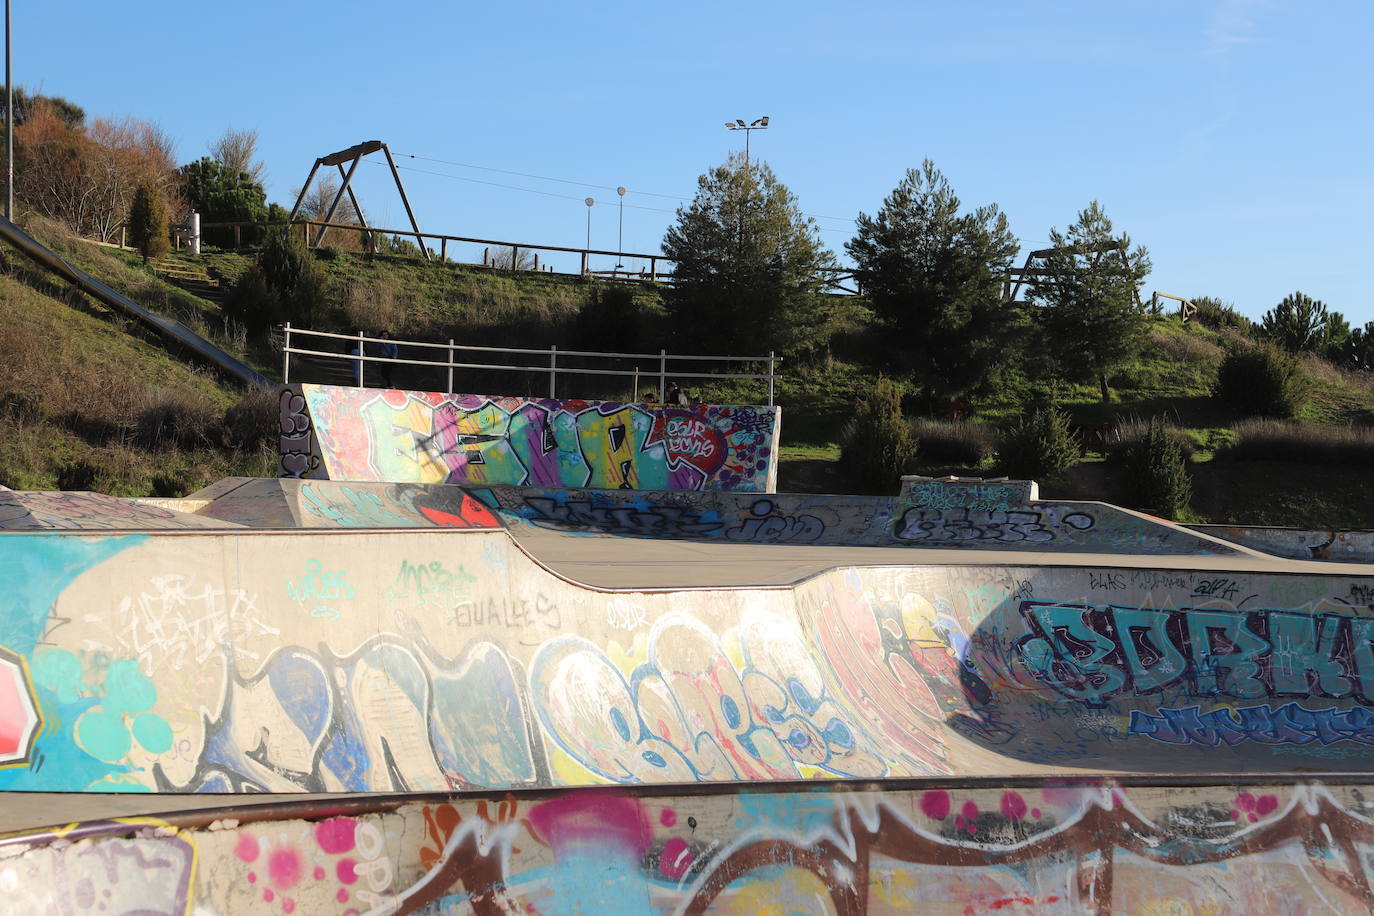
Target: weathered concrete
1238	847
1299	543
425	437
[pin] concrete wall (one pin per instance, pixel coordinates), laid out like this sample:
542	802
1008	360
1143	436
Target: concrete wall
364	662
1299	543
416	437
966	515
1240	848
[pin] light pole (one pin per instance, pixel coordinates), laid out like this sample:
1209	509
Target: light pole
587	257
620	246
9	122
738	124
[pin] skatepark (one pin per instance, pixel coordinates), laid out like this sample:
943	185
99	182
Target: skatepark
510	656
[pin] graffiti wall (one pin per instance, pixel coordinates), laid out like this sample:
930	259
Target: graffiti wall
931	514
432	661
1095	847
1300	543
414	437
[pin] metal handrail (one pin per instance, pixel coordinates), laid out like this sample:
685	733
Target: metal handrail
360	358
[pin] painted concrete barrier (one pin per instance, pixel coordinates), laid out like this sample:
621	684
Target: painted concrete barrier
368	434
967	514
1093	847
1299	543
355	661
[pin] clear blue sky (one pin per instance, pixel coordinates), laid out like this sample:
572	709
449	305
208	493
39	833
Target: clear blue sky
1232	138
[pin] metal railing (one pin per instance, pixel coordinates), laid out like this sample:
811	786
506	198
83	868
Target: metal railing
359	357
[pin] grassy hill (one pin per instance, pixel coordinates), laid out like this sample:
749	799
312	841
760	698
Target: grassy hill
87	401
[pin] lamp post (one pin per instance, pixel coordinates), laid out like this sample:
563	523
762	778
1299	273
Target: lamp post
738	124
586	258
620	245
9	122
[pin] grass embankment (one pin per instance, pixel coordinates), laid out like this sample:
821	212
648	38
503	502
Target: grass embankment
88	403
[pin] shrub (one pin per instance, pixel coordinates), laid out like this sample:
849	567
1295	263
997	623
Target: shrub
1129	432
284	284
1285	440
876	445
1215	314
1261	381
1156	478
253	421
953	441
178	418
1038	444
148	221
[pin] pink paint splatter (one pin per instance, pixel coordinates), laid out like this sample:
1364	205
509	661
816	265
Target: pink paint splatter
676	858
288	905
604	820
268	895
1035	813
1013	806
336	835
667	817
345	871
284	867
969	811
341	896
246	848
252	877
318	873
935	805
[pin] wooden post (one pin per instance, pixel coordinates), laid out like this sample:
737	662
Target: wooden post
406	201
536	261
449	390
334	204
443	249
361	368
653	269
515	257
553	365
662	376
584	263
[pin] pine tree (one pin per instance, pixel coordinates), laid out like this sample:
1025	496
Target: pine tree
148	221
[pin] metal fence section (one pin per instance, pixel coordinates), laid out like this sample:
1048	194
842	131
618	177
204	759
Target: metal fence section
359	345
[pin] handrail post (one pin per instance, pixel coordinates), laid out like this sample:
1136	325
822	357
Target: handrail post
770	378
553	374
361	378
286	354
584	263
653	269
450	366
662	375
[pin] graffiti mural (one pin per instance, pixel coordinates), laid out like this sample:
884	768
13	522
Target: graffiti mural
355	661
395	436
1051	848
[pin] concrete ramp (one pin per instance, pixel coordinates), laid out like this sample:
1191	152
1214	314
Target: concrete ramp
365	434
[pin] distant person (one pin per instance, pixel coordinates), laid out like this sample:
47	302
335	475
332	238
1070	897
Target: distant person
676	396
386	349
356	351
650	398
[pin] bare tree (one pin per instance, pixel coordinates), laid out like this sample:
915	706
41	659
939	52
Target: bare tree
238	150
501	257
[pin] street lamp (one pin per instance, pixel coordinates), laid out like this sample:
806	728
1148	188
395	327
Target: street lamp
589	201
738	124
620	248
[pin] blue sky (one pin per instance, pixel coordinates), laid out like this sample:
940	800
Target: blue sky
1232	138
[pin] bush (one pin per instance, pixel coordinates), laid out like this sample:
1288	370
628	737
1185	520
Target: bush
876	445
1279	440
178	418
1215	314
253	421
1261	381
148	221
1038	444
1156	479
1129	432
284	284
953	441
